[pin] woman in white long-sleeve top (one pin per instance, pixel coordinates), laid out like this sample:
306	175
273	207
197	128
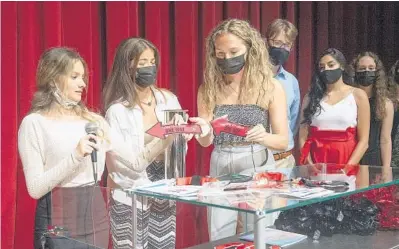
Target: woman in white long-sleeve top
134	104
54	149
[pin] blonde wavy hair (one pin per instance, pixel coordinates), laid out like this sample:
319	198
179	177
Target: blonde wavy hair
54	67
257	76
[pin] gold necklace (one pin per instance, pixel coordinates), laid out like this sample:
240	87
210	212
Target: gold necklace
149	103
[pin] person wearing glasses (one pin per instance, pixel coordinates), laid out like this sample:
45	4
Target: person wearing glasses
280	36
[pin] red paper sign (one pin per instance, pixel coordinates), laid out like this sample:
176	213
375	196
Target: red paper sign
223	124
160	131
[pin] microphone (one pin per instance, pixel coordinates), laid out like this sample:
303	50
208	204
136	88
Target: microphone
92	128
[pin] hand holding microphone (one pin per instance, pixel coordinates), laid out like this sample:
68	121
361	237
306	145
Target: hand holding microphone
89	144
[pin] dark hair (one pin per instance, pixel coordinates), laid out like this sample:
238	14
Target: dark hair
380	86
394	71
121	83
393	85
318	88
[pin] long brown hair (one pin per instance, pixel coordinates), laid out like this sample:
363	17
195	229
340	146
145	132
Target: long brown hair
121	83
393	85
55	64
380	86
257	76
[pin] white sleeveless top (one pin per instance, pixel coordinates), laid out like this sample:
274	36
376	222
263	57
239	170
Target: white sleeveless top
339	116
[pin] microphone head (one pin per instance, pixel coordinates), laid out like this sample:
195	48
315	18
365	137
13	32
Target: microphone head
91	128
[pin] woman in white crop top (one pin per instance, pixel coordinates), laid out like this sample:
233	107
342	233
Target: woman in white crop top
335	117
134	105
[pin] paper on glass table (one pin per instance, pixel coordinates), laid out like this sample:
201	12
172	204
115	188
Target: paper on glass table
303	193
168	187
351	180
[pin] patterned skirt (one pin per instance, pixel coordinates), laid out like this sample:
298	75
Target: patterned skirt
156	219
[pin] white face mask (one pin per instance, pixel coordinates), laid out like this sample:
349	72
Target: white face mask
63	100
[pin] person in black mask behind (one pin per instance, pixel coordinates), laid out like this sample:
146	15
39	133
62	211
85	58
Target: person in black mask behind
281	35
370	76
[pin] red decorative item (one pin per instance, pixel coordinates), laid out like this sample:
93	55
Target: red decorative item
271	176
187	180
236	245
387	200
160	131
329	146
275	247
223	124
348	169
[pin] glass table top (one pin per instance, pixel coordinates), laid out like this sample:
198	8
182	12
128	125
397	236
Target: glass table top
283	195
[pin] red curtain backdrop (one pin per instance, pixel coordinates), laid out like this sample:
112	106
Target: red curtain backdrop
178	29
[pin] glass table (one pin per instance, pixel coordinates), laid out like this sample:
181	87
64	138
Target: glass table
261	202
82	215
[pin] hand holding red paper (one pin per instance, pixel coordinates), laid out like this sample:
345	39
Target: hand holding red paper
257	134
204	125
176	125
222	124
187	130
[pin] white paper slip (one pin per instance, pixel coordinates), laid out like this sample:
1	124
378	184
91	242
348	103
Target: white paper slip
304	193
183	191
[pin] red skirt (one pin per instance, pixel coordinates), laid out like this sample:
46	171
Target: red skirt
329	146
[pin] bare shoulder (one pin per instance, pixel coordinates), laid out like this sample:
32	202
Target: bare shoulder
388	105
201	89
277	85
359	94
201	92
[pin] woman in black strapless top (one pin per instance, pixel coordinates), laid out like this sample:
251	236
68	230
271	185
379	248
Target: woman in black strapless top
239	86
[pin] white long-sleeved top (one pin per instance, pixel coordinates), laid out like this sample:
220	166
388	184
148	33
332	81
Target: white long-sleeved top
128	124
47	148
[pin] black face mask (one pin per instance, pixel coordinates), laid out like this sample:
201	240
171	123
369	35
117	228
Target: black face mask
231	65
330	76
365	78
278	56
146	76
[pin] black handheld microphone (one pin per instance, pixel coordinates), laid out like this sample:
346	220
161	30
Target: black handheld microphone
92	128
